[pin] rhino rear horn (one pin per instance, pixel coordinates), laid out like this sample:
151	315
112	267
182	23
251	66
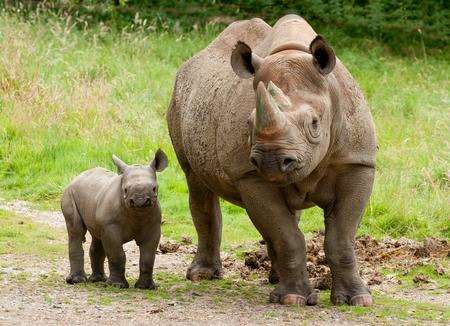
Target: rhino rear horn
269	118
282	100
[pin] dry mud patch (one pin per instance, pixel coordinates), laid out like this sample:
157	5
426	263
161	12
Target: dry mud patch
33	288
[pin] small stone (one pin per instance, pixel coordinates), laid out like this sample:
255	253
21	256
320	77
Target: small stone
156	311
187	240
421	278
375	280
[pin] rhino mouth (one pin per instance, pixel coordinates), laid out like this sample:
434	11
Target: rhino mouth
285	179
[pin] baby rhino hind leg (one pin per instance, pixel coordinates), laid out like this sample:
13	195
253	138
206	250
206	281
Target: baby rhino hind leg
97	255
76	232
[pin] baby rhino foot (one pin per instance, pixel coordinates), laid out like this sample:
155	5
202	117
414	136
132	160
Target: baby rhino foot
197	272
145	284
76	278
97	278
118	283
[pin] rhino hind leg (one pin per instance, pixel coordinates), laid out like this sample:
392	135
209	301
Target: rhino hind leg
97	255
76	232
205	210
341	222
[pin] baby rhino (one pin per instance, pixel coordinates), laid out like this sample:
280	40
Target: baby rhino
115	208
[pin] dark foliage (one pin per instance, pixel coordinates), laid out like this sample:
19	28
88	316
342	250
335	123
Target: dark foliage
397	23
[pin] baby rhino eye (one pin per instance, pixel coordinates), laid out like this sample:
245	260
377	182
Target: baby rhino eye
315	123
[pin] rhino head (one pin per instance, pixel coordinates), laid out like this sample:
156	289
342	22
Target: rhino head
291	124
139	186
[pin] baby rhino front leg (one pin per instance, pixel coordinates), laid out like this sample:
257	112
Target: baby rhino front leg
147	251
112	243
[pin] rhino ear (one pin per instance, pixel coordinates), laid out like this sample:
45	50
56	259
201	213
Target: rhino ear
121	165
243	61
323	54
160	161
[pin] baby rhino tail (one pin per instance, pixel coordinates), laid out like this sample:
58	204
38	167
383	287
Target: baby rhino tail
74	222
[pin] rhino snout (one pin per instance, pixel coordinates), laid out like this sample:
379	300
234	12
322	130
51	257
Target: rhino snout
282	163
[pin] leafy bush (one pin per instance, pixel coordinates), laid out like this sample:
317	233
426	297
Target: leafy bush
399	24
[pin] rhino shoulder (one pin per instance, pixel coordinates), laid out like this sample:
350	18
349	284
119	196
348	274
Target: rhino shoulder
109	201
357	144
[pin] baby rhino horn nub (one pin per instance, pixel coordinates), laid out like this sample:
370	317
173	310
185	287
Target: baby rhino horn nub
269	118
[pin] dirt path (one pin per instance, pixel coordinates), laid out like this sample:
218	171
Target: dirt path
33	291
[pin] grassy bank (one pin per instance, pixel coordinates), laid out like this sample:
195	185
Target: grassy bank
69	98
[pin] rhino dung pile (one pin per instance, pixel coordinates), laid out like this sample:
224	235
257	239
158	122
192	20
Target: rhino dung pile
395	254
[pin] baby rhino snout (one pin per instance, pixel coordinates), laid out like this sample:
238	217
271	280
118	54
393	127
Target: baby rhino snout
143	198
140	201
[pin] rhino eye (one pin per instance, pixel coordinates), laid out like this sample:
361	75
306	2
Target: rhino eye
313	130
125	190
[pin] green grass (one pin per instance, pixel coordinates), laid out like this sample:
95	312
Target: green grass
19	235
441	281
69	98
386	307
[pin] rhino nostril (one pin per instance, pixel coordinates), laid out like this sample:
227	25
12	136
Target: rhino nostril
131	202
288	164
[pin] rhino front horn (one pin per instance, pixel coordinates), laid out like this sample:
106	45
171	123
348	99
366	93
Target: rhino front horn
269	118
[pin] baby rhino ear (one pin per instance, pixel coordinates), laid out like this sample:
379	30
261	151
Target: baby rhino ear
121	165
160	161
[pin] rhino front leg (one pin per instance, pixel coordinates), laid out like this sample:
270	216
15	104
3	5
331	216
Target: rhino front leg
342	218
268	211
147	252
112	243
205	210
274	278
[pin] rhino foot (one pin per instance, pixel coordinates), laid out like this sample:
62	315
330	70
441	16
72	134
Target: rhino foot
363	299
76	278
197	272
118	283
286	297
97	278
354	296
145	284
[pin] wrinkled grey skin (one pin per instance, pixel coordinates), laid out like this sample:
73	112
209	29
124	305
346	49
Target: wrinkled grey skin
270	120
115	209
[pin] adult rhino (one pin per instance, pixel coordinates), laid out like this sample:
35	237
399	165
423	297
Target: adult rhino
270	120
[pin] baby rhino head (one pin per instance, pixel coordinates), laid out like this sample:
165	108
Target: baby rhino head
139	185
